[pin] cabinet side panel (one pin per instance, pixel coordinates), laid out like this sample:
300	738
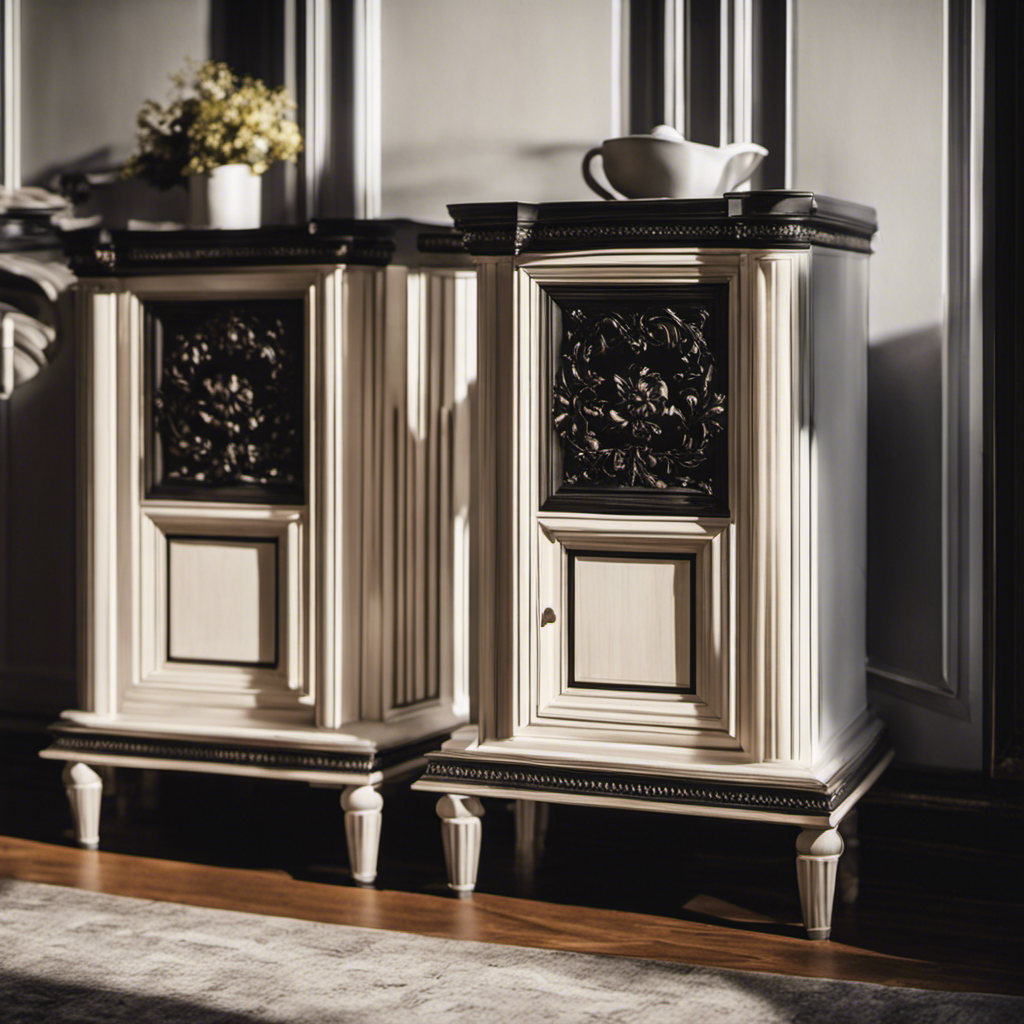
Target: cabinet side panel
416	580
98	490
839	309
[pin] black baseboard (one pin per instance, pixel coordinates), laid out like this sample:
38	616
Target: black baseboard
949	833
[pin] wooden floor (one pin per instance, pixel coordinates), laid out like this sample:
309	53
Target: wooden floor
483	918
683	890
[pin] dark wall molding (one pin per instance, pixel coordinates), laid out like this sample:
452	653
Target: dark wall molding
1004	395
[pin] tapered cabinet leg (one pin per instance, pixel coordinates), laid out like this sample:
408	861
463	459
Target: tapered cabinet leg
817	859
461	833
85	794
363	815
531	830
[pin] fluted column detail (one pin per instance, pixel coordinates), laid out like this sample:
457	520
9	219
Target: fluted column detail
461	832
817	859
363	817
85	794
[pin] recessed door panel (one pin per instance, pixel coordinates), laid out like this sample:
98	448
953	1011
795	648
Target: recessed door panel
222	619
222	600
632	622
631	625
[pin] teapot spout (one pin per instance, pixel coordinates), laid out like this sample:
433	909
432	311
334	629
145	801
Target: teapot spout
741	160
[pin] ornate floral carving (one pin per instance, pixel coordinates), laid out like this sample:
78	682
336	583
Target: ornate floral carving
226	408
635	403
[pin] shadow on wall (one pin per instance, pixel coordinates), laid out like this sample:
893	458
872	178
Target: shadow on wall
37	560
93	181
421	181
904	563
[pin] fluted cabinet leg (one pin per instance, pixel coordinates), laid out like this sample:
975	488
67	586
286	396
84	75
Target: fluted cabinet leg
85	794
817	858
363	816
461	833
531	830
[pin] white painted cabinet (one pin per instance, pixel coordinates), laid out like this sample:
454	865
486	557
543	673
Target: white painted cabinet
274	499
669	517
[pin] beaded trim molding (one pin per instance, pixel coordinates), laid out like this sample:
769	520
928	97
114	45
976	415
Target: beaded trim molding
520	239
256	757
441	243
107	258
656	788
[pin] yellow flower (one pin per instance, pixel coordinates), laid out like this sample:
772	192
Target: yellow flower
213	119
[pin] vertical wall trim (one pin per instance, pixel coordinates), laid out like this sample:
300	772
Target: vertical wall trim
317	127
675	64
10	175
367	140
725	73
790	97
954	236
962	426
972	426
5	497
743	71
737	71
289	172
620	68
11	79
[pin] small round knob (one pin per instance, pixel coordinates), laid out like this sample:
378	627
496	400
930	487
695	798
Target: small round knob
548	615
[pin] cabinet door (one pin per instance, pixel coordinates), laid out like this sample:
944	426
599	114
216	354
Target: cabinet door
223	514
200	522
632	631
623	434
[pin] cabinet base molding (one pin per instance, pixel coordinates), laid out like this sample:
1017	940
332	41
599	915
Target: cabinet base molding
618	788
204	756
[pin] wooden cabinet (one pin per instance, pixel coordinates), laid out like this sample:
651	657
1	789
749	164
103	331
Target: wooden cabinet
669	518
274	506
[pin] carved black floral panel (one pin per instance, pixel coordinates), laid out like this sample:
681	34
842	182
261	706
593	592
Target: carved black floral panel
639	388
226	403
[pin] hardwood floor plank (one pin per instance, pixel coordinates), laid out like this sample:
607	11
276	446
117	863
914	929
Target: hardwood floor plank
484	918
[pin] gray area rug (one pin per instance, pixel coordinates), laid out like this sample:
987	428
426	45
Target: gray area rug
73	956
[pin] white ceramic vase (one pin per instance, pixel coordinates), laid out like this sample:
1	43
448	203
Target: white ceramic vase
226	197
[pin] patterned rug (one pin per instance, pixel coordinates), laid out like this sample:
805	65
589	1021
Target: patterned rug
73	956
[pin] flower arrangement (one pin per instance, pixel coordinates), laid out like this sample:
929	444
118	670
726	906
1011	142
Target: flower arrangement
213	119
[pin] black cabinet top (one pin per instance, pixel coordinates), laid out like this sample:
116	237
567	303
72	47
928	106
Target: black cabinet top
95	252
769	219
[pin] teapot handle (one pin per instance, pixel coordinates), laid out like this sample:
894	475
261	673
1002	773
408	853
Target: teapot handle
740	166
589	178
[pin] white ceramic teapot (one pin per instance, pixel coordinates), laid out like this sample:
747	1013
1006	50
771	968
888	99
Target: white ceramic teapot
664	165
